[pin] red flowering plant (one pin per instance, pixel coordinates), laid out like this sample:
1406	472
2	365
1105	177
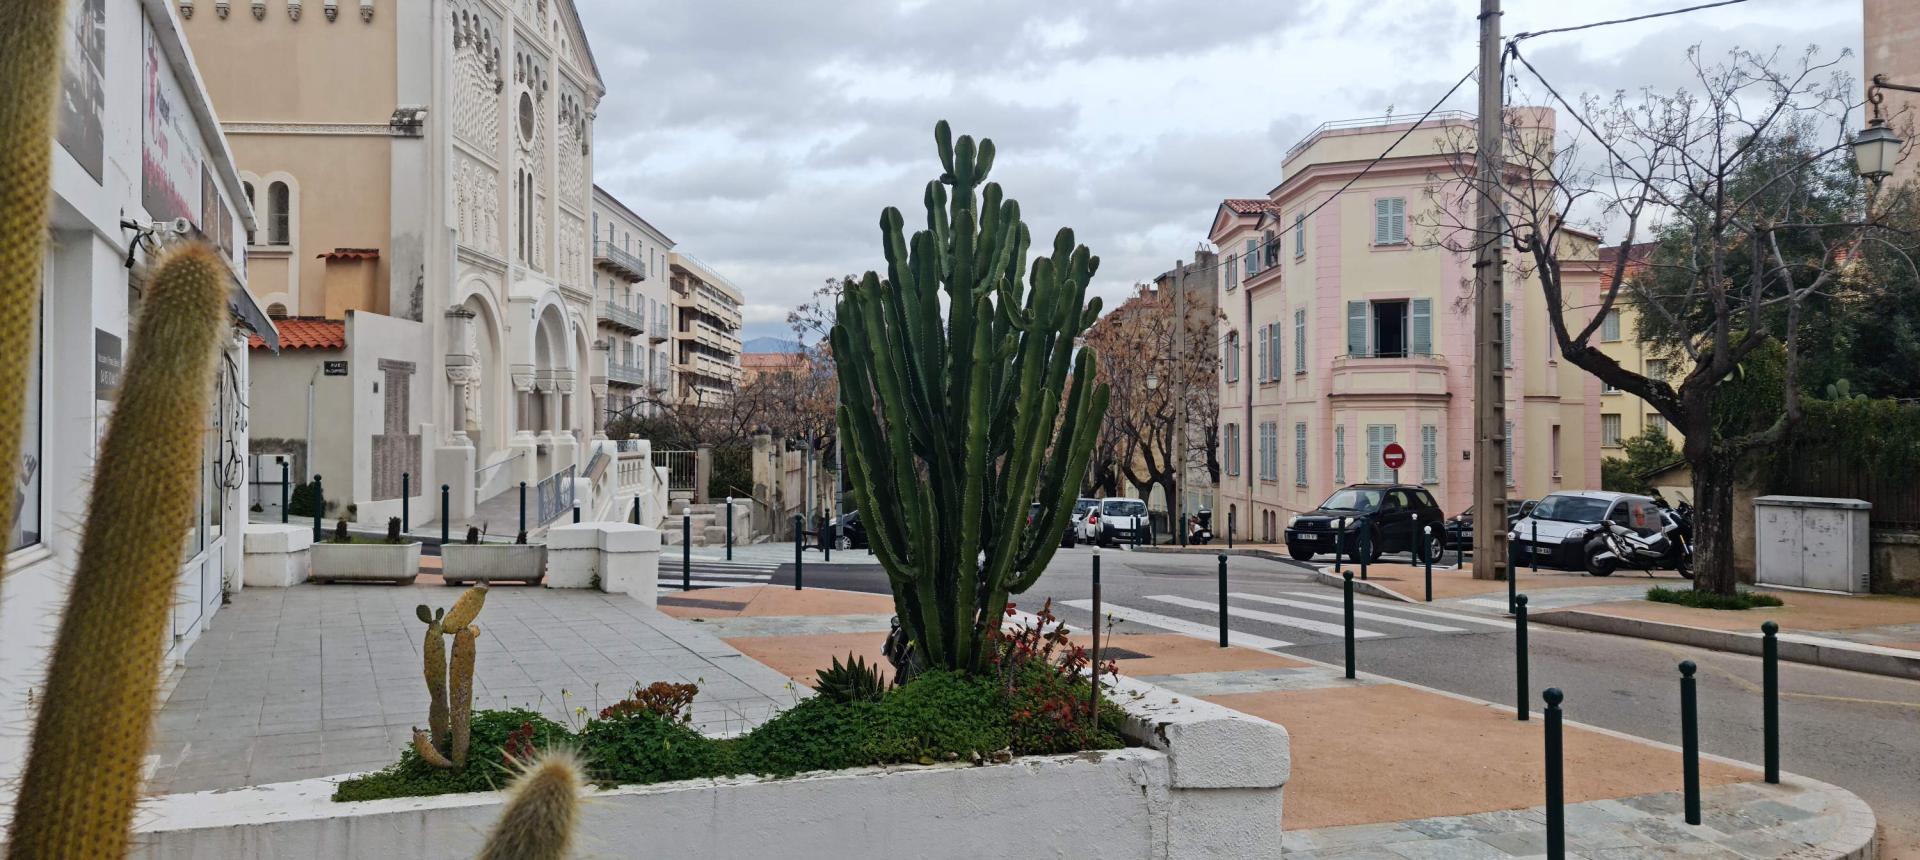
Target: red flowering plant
666	700
1045	676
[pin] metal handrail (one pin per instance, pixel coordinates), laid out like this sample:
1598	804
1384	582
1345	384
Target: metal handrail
1362	122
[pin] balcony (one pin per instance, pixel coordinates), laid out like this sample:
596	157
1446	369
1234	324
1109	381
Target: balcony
609	256
626	374
710	336
623	318
661	381
658	334
1394	377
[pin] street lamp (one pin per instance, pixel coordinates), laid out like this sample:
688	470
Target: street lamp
1876	149
1153	380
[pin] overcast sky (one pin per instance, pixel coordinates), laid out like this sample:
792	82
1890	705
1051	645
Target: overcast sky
765	136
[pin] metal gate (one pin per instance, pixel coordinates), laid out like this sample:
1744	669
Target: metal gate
556	495
680	470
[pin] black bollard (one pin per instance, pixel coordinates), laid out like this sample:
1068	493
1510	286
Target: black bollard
636	510
1770	696
319	507
1513	582
1520	654
686	549
1230	529
826	542
286	490
798	563
1339	543
1460	553
576	515
446	511
1690	741
729	528
1533	549
1223	600
1347	578
1426	556
406	502
1556	785
1095	665
1366	550
523	507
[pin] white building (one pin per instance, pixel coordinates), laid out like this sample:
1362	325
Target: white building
138	144
631	262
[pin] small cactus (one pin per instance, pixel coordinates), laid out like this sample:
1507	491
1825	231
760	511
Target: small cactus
852	681
89	747
521	538
473	534
542	811
340	532
449	685
393	530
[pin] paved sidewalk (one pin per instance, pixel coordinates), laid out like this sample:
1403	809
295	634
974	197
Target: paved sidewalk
318	680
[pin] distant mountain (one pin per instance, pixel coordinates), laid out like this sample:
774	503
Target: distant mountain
770	344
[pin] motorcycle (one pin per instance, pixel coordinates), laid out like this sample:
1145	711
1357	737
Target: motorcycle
1611	546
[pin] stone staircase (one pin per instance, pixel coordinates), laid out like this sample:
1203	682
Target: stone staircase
710	525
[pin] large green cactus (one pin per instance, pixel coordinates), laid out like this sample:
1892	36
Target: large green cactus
89	743
449	686
956	421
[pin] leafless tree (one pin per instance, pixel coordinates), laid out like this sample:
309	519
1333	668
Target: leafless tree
1137	442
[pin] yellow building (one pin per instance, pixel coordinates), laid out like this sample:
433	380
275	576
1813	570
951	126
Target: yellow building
1624	416
1348	327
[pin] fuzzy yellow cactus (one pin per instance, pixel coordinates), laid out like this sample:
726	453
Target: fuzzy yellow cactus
30	36
543	809
460	690
449	687
84	765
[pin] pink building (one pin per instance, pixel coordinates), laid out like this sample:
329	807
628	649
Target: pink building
1349	326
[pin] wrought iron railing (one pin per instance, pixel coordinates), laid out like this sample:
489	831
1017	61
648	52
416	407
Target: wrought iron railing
680	468
612	255
623	316
556	495
631	374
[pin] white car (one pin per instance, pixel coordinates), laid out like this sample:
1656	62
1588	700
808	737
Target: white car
1116	520
1553	534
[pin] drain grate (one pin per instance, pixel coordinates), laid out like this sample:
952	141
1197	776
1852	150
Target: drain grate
694	603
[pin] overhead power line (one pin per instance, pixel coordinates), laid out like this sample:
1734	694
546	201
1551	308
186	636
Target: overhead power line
1649	16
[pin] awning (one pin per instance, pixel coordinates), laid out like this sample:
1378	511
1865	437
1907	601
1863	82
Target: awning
247	313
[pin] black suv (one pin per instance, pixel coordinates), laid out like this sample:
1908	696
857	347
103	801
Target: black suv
1382	517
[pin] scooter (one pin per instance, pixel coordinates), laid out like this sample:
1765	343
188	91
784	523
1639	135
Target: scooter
1611	546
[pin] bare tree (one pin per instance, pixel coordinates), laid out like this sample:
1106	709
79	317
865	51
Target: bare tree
1137	442
1743	182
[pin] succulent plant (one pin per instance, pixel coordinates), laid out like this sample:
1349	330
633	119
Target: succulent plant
852	681
393	530
449	685
542	811
340	531
473	534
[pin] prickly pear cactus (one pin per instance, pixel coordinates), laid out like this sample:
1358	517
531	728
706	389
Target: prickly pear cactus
958	412
542	811
84	765
449	685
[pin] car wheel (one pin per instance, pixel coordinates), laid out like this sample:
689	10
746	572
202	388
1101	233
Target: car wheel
843	542
1372	544
1299	553
1435	547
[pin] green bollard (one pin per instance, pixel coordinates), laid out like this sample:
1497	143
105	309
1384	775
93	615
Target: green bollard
1520	654
1556	780
406	502
1770	697
1690	741
523	507
286	490
446	511
1223	600
319	507
1347	580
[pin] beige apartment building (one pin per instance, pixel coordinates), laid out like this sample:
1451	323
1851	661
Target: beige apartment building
1891	43
1348	327
422	170
706	333
631	263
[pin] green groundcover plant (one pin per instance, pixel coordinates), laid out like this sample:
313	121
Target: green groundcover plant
1709	600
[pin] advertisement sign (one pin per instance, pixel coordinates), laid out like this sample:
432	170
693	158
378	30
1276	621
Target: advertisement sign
171	150
83	91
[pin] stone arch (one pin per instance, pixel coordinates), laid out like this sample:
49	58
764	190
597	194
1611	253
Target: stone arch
489	400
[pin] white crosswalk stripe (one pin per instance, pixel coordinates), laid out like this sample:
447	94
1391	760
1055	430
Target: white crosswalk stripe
1416	610
1269	617
714	574
1177	625
1335	610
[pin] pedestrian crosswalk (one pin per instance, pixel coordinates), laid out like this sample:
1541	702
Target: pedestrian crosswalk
1257	620
713	574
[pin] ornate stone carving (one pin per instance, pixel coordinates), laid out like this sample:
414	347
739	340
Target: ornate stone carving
259	10
221	8
477	205
476	91
366	11
186	9
523	377
293	10
330	8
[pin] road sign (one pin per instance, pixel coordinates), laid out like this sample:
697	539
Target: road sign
1393	456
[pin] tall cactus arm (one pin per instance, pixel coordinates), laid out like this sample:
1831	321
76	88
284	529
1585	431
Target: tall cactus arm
974	497
84	764
429	752
433	660
542	811
30	38
460	688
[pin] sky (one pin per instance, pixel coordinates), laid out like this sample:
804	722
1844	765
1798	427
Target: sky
766	136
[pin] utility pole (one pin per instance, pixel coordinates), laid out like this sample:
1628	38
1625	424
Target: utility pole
1489	365
1179	372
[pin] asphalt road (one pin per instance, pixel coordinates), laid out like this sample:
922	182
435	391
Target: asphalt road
1858	731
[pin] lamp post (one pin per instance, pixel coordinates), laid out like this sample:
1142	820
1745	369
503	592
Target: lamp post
1876	149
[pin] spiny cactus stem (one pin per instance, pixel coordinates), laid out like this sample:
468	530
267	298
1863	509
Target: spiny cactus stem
542	812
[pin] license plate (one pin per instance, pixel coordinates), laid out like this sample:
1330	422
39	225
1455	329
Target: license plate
1543	550
1311	537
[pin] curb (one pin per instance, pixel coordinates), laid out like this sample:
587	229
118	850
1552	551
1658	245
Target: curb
1858	834
1262	554
1794	648
1360	585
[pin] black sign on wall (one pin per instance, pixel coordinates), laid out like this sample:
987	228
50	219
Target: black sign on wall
106	364
334	368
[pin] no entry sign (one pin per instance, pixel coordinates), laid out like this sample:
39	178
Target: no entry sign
1393	456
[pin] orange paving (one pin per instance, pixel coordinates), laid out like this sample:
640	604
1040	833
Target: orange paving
1804	610
1389	753
1409	580
800	657
761	600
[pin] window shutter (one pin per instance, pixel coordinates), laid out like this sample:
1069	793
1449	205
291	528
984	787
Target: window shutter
1376	441
1356	328
1260	366
1300	340
1382	213
1299	235
1340	454
1506	334
1273	350
1253	260
1610	327
1300	454
1508	446
1397	220
1422	326
1233	271
1429	454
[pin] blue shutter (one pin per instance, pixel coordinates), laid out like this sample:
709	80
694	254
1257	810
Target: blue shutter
1382	233
1273	351
1300	454
1429	454
1422	326
1356	328
1340	454
1260	366
1397	220
1299	235
1300	340
1253	259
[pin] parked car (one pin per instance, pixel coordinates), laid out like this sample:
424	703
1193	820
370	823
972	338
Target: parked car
1390	516
1081	507
851	534
1067	538
1116	520
1563	521
1459	530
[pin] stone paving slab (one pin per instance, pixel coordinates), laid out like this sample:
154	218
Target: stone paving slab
318	680
1800	818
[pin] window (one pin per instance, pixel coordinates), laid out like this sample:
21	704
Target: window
1300	340
1299	235
1271	251
1356	329
279	204
1232	362
1608	388
1379	436
1610	431
1656	368
1389	329
25	529
1340	454
1429	454
1253	257
1390	221
1610	326
1507	446
1230	440
1269	451
1273	351
1233	271
1300	454
1506	334
1422	326
254	208
1260	351
1553	453
1657	424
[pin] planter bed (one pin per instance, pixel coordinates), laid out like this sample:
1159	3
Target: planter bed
365	561
492	562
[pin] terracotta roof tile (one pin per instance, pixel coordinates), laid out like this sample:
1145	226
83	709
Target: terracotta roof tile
1248	205
306	333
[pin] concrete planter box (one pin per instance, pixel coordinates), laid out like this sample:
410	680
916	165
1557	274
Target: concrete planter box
492	562
277	556
365	562
1206	783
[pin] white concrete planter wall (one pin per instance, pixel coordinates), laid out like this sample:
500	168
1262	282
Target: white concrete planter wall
492	562
365	562
617	558
277	555
1208	784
